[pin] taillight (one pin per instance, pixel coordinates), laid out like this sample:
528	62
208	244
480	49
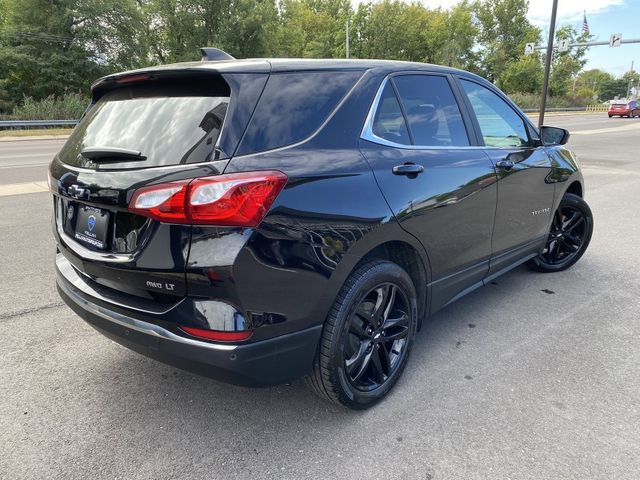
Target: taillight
237	199
217	335
165	202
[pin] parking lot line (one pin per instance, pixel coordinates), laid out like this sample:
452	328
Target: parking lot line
23	188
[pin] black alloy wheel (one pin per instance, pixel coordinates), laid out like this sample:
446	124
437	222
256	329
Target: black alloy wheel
378	330
367	336
569	236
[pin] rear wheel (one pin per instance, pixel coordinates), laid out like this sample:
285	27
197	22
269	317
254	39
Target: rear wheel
569	236
367	336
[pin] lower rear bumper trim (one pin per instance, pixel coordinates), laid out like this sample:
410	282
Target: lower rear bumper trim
262	363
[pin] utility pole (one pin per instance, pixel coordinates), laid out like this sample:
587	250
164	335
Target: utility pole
547	63
630	81
347	36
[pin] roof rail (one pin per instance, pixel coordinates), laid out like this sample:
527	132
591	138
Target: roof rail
210	54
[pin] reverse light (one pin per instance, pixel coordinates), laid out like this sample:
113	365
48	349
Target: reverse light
237	199
217	335
164	202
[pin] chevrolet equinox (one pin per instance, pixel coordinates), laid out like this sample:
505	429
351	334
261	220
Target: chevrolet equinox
260	220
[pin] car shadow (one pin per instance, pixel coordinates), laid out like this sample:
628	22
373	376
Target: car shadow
179	393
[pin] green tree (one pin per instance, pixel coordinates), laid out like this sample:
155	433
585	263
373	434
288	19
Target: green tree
312	28
504	32
524	75
566	65
614	88
49	47
591	82
392	29
251	29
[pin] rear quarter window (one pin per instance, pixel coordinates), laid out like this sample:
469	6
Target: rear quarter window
293	106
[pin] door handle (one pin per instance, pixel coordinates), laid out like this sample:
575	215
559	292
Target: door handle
411	170
504	164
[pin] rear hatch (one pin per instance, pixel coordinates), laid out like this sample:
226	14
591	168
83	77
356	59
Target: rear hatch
142	129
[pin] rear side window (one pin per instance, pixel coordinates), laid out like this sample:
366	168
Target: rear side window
168	125
432	111
293	106
388	122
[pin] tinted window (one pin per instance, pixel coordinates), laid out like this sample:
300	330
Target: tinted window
167	125
293	106
432	112
500	125
388	122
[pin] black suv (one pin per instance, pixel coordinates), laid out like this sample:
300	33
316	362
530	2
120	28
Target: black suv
260	220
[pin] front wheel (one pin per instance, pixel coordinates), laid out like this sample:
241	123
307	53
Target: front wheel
568	238
367	336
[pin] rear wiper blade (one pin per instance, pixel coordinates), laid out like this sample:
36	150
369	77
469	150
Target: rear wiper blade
111	154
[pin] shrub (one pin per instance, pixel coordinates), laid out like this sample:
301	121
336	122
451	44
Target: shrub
532	100
69	106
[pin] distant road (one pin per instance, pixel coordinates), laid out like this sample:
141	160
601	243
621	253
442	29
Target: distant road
26	160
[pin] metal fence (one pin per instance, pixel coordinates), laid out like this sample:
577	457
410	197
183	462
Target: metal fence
27	124
588	108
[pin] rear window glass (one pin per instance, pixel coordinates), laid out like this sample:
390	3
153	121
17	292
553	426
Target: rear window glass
168	126
293	106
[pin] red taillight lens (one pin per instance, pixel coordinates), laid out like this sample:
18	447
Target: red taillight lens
237	199
217	335
133	78
240	199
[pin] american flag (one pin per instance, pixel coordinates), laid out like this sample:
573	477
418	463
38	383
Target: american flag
585	25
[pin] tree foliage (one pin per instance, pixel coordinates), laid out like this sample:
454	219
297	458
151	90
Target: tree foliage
504	32
53	47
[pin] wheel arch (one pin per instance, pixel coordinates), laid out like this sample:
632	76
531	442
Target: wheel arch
575	188
389	242
406	256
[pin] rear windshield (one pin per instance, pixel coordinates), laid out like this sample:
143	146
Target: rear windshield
293	106
166	125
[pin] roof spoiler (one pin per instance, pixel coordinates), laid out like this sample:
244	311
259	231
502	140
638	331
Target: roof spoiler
210	54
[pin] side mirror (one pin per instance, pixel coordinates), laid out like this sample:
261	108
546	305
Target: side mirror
553	135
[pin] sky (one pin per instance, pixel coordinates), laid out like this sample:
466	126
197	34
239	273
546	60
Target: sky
605	17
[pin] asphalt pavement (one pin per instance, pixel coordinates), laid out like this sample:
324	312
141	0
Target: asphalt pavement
533	377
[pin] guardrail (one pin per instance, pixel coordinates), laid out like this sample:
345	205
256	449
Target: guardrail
588	108
26	124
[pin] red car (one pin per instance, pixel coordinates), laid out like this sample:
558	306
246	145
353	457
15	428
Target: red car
627	109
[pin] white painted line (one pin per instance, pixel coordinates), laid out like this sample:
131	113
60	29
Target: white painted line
628	126
34	137
28	165
23	188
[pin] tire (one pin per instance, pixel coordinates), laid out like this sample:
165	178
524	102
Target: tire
353	356
569	236
610	116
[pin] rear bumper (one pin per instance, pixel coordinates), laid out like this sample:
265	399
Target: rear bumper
262	363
